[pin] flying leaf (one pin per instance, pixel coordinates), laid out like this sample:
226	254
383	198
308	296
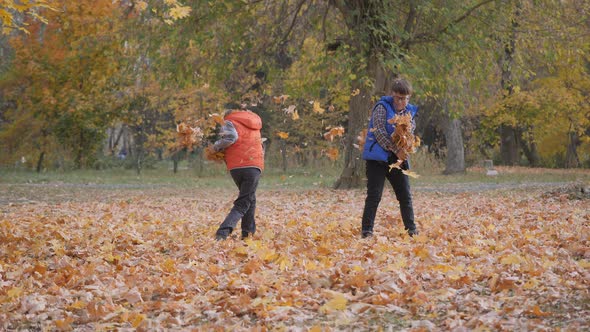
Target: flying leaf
333	153
317	108
334	132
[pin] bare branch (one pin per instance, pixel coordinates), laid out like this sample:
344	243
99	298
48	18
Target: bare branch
427	37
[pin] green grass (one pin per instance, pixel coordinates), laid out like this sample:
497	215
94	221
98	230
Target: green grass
215	175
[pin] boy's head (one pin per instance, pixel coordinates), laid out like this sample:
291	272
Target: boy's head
402	87
401	90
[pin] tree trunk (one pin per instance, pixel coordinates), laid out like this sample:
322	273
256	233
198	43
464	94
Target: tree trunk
359	112
529	147
571	155
175	158
353	173
284	154
40	162
455	151
509	145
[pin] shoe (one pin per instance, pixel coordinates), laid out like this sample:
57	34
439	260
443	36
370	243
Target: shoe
246	234
412	232
367	234
222	234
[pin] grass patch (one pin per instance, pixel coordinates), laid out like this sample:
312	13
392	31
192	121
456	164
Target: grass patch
215	175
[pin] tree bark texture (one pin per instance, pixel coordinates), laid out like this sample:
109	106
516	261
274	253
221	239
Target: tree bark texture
455	150
509	147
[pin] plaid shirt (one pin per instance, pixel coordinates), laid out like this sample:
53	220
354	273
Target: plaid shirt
379	122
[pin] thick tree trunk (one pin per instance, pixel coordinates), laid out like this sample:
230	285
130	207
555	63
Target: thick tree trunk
359	112
353	173
571	156
455	151
509	136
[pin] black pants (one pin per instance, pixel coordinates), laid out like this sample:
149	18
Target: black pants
377	171
246	179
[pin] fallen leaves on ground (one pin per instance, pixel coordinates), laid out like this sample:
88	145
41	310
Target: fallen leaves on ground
487	261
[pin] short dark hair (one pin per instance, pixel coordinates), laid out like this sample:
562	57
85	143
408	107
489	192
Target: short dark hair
401	86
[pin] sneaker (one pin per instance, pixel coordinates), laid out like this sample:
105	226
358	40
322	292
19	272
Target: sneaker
412	232
367	234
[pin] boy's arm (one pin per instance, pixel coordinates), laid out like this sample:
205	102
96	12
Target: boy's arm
379	121
229	136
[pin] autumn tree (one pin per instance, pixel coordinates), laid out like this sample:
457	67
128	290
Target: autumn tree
60	84
540	40
381	36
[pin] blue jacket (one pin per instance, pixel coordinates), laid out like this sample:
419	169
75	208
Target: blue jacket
372	150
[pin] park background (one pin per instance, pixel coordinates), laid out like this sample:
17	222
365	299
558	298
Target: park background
107	223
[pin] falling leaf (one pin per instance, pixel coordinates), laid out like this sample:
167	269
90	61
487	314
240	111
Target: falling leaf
283	135
290	110
334	132
280	99
317	108
333	153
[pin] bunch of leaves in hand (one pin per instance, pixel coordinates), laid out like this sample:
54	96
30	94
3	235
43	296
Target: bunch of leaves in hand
402	137
188	135
212	155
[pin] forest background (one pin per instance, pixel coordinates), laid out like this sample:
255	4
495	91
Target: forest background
102	84
106	223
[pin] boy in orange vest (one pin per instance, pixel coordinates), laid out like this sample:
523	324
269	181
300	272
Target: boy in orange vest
244	158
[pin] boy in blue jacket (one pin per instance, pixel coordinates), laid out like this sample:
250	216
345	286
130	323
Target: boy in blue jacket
379	151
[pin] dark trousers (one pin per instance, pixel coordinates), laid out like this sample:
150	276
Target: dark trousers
377	171
246	179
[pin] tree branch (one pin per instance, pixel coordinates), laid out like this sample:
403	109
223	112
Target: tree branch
426	37
299	6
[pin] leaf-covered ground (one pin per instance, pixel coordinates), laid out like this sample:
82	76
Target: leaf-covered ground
108	259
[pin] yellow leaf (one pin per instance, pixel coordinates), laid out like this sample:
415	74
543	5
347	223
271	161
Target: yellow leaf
512	259
169	265
64	324
411	174
141	5
584	263
179	12
531	284
136	319
317	108
14	292
295	115
78	305
283	135
338	302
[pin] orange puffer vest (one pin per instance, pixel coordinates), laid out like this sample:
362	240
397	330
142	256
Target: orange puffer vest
247	150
